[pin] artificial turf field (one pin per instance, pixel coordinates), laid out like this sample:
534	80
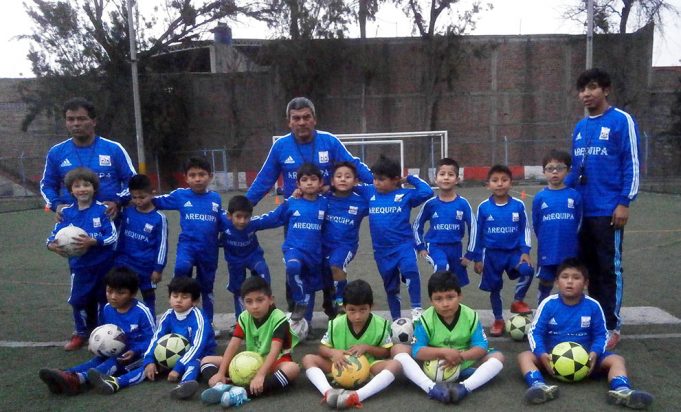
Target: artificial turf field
36	320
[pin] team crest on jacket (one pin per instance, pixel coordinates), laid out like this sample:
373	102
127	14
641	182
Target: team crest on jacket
352	210
571	203
216	206
104	160
586	321
515	216
605	133
148	227
96	222
320	215
459	215
398	197
324	157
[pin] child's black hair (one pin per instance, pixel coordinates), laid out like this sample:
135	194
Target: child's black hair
184	284
601	77
560	155
81	173
255	284
308	169
122	278
499	169
240	203
358	292
140	182
349	165
573	263
197	162
387	167
443	281
448	161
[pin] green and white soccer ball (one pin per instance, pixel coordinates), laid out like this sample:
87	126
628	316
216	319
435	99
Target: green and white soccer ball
437	372
518	325
243	367
169	349
570	361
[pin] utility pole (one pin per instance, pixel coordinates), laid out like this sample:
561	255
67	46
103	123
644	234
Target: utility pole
142	165
589	34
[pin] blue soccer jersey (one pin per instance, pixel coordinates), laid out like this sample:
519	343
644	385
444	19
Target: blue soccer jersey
605	150
95	222
138	324
143	242
390	213
556	215
106	158
287	155
194	326
448	222
343	218
501	227
555	322
241	244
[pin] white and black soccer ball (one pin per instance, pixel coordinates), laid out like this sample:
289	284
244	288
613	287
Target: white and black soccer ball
300	327
518	325
65	237
402	330
107	341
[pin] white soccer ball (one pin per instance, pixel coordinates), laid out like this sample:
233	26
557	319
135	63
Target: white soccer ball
300	327
65	237
107	341
402	330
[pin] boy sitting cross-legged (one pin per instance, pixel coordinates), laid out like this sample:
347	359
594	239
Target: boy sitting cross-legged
570	315
124	311
357	332
451	332
183	318
266	331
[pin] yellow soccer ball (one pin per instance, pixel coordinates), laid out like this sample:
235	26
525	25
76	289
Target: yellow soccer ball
243	367
354	374
436	371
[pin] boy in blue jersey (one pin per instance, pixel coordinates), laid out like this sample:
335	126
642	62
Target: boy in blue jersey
242	250
449	215
502	245
340	232
201	221
302	247
124	311
572	316
451	333
183	318
556	215
357	332
143	242
95	252
391	232
265	330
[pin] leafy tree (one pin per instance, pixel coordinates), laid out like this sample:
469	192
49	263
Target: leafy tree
615	16
303	19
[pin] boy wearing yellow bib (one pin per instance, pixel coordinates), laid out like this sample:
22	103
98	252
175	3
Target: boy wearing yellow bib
450	332
357	332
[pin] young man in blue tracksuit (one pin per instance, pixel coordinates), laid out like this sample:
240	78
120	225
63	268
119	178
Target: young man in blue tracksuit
605	171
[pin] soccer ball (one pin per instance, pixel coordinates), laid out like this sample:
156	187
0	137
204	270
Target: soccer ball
243	367
518	325
107	341
436	371
169	349
300	327
570	361
402	330
353	374
65	237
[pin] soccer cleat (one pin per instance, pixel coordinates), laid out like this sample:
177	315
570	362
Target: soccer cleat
613	340
497	328
331	396
348	399
184	390
59	381
236	396
298	312
416	314
540	393
457	391
103	383
520	307
439	392
213	395
76	342
630	398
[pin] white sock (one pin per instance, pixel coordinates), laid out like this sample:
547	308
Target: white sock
483	374
376	384
413	371
318	379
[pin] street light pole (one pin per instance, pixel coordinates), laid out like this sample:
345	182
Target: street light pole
142	165
589	34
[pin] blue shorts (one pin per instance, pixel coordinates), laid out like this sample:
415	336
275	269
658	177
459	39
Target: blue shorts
311	271
255	262
398	264
339	256
448	257
547	273
87	285
498	261
206	262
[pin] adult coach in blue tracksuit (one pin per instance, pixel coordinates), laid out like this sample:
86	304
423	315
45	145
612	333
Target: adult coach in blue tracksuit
108	159
605	171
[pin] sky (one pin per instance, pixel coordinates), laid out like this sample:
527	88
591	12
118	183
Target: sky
507	17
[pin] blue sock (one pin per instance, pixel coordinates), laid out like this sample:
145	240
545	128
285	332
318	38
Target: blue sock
414	288
310	309
149	298
340	288
237	305
543	291
619	382
495	300
522	287
394	305
533	377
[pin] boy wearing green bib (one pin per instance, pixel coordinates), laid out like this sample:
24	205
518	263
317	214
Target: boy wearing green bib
357	332
450	332
266	331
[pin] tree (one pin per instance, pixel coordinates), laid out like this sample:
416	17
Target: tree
303	19
615	16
